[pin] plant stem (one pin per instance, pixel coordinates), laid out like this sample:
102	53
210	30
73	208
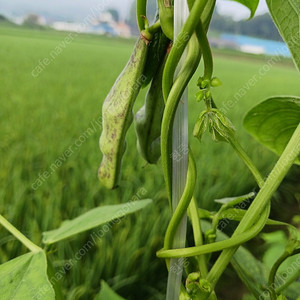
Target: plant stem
193	212
172	102
56	286
153	28
20	236
180	45
206	51
278	173
180	169
183	203
232	242
247	160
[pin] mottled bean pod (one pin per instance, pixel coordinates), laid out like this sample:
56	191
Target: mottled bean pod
117	115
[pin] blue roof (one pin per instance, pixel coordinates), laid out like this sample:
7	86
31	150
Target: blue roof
105	27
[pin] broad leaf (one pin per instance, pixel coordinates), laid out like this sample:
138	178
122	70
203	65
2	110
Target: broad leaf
293	291
25	277
106	293
273	122
286	15
253	273
93	218
251	4
275	242
289	269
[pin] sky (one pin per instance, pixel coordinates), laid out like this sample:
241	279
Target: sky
238	11
76	10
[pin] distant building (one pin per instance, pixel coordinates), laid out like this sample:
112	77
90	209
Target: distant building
104	25
104	29
223	44
107	23
122	30
68	26
252	49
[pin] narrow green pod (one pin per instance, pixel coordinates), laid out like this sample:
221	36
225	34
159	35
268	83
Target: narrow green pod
148	120
155	56
117	115
166	15
141	11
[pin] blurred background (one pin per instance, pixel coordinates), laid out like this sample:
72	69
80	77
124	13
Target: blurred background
59	59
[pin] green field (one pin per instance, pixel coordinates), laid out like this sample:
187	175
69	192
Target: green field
43	116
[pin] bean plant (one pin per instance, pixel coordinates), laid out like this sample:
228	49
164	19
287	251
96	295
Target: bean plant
274	123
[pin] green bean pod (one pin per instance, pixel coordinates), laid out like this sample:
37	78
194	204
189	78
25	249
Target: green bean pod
117	115
155	57
148	120
141	11
166	15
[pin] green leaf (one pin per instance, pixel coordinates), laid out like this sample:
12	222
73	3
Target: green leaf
25	277
281	297
251	4
253	273
293	291
106	293
273	122
235	200
93	218
289	270
286	16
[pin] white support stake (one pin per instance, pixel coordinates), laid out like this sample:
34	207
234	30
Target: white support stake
180	162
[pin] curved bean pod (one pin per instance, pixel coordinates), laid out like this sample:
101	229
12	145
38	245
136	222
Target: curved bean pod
117	115
148	121
156	55
141	9
166	15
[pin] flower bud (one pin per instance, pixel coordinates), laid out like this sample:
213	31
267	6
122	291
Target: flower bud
215	82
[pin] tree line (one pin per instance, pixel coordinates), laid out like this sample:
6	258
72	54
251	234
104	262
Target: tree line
260	26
